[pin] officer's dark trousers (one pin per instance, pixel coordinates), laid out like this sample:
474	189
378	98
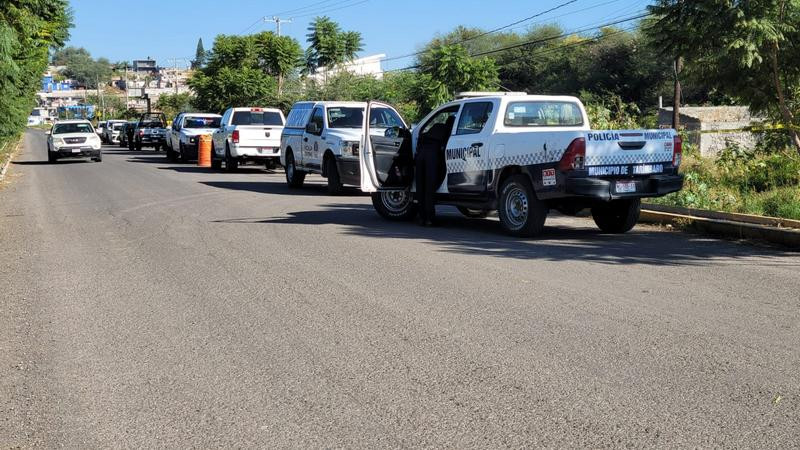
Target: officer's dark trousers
427	174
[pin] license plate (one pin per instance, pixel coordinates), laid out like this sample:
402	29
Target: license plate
76	150
624	187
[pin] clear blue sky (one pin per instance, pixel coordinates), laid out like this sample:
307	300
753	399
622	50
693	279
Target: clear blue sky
165	29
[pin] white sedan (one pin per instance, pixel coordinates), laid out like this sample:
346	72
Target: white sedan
73	139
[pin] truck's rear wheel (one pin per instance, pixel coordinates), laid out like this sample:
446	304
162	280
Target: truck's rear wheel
334	181
294	177
231	163
521	212
617	216
216	163
395	205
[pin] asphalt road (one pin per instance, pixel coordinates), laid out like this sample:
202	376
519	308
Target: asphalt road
146	304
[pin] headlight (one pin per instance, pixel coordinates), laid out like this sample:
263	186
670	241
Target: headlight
350	148
58	141
192	140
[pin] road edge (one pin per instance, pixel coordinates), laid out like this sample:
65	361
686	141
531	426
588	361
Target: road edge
16	142
787	237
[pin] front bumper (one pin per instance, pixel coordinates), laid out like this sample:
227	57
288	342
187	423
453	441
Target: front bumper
604	189
349	171
77	152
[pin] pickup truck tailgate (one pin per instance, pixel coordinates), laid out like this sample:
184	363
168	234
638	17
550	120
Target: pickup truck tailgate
259	136
628	152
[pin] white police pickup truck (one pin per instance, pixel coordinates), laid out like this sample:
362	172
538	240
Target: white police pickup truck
523	155
247	134
324	138
183	137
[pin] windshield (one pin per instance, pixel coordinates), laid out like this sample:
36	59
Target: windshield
117	126
273	118
65	128
202	122
353	117
151	125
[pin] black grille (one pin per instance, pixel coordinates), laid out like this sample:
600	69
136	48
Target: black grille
75	140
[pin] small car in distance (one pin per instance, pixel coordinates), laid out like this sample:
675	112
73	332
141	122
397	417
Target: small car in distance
73	139
112	131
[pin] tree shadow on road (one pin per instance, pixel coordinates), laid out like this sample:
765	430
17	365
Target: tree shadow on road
48	163
558	243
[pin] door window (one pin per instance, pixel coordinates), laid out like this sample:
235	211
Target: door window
384	118
318	118
474	117
440	117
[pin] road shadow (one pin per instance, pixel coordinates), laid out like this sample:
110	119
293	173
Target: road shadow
280	188
188	168
484	237
48	163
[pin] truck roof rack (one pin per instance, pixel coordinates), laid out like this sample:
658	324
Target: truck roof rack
473	94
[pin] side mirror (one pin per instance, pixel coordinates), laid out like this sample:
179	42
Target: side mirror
392	132
312	128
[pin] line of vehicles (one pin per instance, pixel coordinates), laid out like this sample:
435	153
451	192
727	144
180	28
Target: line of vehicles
518	154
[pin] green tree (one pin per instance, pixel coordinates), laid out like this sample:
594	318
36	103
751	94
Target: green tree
329	46
447	70
279	56
745	49
29	29
228	87
199	55
172	104
81	67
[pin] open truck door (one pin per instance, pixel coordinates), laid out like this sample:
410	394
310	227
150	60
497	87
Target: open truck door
386	161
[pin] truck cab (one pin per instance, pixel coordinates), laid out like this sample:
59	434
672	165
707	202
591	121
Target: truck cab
325	137
523	155
247	134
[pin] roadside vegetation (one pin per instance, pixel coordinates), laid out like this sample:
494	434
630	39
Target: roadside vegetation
29	29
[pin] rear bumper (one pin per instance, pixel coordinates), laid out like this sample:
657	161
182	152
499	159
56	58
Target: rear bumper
148	140
605	189
256	153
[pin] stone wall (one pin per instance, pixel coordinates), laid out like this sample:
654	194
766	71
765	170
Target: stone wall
706	126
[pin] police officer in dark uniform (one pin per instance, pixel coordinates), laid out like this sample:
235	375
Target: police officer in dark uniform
129	135
430	168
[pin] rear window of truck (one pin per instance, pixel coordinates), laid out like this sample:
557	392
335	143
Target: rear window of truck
543	114
257	118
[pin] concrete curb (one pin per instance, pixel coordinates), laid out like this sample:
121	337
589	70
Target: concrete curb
4	169
788	237
733	217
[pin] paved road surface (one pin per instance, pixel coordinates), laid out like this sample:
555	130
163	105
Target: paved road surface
147	304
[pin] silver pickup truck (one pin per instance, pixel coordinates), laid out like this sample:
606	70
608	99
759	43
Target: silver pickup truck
151	131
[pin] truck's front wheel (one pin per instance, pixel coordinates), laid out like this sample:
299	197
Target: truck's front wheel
332	172
617	216
395	205
521	212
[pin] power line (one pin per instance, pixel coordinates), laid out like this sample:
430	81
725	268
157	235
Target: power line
325	11
488	32
551	38
333	5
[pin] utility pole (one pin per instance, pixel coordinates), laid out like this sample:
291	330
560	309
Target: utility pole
277	21
127	98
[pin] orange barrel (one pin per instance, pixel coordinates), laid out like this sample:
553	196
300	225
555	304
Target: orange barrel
204	151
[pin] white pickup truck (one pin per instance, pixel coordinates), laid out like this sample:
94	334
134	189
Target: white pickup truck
247	134
184	135
324	138
523	155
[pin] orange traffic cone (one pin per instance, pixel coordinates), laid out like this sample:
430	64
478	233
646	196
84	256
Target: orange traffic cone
204	151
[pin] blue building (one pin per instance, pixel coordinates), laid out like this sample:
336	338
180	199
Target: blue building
50	85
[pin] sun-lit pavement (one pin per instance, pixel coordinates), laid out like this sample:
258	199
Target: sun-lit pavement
152	304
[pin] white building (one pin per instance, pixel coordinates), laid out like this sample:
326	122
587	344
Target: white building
368	65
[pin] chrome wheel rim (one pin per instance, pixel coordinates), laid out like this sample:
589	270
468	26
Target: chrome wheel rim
396	202
516	207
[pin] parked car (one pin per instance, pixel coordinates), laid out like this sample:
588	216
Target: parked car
183	137
523	155
112	131
150	131
324	138
73	139
247	135
100	129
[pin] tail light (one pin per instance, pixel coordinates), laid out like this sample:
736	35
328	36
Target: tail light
677	151
575	156
235	136
141	133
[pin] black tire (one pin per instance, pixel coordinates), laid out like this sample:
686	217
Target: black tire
521	212
270	164
157	147
231	163
395	205
473	213
216	163
294	177
51	157
617	216
98	159
184	158
334	180
138	146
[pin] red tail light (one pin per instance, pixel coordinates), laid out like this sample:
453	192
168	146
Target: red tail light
677	150
141	132
575	156
235	136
